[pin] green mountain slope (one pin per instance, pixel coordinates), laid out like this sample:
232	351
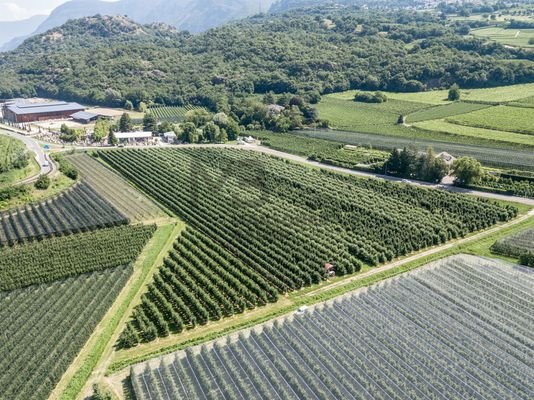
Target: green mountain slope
105	60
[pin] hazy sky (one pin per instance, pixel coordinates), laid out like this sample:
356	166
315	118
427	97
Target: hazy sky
12	10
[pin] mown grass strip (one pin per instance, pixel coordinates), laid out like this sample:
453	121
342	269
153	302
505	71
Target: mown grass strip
112	320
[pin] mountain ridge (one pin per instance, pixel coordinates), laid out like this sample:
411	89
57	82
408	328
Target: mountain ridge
190	15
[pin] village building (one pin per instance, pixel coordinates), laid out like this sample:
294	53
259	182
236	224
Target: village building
170	137
84	117
19	112
133	137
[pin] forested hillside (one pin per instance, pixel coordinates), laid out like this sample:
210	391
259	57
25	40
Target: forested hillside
106	60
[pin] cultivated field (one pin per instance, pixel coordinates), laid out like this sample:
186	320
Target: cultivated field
510	37
458	328
497	157
453	129
60	257
282	222
429	116
172	114
43	327
76	210
130	202
515	245
503	118
323	150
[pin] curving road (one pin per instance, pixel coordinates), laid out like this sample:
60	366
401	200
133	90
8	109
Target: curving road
46	165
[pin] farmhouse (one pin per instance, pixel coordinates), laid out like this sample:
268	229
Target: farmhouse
170	137
84	117
133	137
19	112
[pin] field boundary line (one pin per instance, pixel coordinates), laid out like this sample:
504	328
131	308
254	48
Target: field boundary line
423	254
80	372
119	369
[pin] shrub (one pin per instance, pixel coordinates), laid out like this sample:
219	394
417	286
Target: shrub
527	259
377	97
42	183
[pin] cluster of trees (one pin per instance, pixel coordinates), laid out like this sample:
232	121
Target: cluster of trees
376	97
408	163
65	166
71	135
296	52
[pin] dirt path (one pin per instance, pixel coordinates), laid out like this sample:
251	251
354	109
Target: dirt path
423	254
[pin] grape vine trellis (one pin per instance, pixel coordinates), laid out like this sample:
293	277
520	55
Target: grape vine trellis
283	222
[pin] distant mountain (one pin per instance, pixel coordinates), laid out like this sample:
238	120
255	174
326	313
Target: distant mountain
191	15
9	30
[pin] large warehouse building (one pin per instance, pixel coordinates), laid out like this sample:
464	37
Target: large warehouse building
30	112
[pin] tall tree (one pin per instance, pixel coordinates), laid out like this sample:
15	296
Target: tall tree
150	124
467	170
454	93
125	123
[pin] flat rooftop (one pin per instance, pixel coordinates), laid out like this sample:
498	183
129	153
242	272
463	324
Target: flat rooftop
43	108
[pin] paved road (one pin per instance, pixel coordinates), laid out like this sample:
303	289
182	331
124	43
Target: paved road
47	167
448	187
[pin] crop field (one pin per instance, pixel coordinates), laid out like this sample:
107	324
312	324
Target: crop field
363	117
77	210
284	222
428	108
497	157
441	125
129	201
11	153
199	281
503	118
323	150
458	328
515	245
510	37
172	114
61	257
44	327
443	111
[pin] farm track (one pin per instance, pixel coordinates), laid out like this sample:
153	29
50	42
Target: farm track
424	254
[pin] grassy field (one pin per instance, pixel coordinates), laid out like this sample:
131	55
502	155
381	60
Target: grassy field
443	111
509	37
499	156
503	118
440	125
426	113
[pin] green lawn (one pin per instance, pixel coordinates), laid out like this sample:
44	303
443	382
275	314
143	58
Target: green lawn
503	118
440	125
510	37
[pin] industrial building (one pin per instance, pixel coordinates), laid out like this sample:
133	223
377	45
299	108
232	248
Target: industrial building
19	112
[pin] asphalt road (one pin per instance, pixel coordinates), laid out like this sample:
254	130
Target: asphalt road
45	163
447	187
